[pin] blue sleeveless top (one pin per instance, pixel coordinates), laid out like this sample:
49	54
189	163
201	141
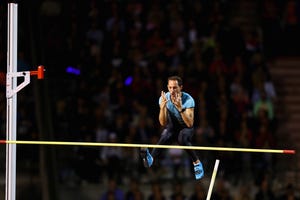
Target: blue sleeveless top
187	102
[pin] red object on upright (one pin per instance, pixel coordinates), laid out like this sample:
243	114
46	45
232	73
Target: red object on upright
40	73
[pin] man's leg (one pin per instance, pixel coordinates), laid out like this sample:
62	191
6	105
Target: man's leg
148	158
184	138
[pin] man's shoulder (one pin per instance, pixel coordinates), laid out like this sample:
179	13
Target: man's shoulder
188	100
187	95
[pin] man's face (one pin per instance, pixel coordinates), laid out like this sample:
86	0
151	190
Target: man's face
173	87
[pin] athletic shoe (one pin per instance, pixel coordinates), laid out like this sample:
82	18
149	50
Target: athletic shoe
199	172
146	156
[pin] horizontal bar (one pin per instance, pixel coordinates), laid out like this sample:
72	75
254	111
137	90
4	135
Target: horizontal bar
287	151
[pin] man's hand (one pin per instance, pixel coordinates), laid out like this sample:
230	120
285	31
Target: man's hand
177	101
164	100
163	109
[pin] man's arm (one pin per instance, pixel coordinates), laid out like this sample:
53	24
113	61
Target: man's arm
188	117
163	109
163	116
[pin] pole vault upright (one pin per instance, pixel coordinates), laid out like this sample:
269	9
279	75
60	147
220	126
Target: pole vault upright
11	113
12	88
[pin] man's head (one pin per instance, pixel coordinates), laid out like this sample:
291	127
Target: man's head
174	85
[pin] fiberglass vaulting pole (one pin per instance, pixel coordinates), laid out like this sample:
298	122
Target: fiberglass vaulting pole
11	84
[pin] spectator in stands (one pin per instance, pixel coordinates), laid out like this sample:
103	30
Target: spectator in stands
291	23
222	191
264	139
87	165
264	190
264	104
289	193
178	192
243	135
112	157
176	161
134	192
113	192
243	193
156	192
239	97
199	192
271	28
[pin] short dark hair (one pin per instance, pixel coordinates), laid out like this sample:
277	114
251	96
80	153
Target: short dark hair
176	78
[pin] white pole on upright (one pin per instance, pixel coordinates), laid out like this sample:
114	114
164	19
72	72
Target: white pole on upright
12	89
11	83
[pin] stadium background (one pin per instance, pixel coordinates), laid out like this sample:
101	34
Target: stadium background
106	63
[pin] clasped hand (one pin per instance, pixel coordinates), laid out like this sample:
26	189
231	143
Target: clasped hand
176	100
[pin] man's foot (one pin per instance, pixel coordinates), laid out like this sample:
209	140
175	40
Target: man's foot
146	156
199	172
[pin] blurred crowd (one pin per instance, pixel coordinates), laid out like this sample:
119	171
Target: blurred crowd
197	191
108	61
